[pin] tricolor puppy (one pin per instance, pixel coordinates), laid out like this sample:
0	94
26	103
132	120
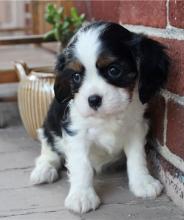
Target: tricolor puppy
104	79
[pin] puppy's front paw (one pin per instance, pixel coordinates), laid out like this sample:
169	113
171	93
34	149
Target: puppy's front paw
146	187
82	201
44	173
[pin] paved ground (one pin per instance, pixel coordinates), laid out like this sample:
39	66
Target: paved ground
21	201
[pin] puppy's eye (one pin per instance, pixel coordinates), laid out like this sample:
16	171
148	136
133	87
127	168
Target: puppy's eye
76	78
114	71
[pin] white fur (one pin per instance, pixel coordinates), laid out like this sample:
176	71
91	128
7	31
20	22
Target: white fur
101	136
88	46
46	165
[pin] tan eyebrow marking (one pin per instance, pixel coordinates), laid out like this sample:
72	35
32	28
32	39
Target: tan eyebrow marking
75	65
104	60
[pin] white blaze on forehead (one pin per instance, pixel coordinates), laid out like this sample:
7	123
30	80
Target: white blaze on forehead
88	45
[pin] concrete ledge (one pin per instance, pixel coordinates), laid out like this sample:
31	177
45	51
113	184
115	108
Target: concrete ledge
170	176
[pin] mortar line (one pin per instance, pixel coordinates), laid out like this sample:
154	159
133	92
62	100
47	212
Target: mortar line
168	33
165	122
172	158
171	96
167	11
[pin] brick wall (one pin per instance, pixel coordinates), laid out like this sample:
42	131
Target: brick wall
162	20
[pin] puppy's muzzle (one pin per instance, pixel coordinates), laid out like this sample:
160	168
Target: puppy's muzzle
95	101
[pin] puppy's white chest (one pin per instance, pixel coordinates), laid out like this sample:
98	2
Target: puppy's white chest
105	138
101	136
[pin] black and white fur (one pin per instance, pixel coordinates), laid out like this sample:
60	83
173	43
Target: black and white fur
105	77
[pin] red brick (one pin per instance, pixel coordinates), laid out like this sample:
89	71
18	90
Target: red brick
175	128
83	7
175	50
157	112
176	13
105	10
149	13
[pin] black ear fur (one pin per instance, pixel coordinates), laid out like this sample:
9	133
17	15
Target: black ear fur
153	66
62	87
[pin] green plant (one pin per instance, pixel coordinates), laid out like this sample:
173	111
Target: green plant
63	27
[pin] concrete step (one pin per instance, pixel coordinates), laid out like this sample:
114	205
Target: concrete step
19	200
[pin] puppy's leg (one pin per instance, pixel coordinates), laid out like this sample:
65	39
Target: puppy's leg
141	183
47	165
82	196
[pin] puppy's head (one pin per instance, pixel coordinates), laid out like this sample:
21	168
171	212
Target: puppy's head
101	66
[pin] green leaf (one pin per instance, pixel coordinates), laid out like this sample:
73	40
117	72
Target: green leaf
50	7
74	13
63	27
58	34
57	18
49	18
61	11
49	35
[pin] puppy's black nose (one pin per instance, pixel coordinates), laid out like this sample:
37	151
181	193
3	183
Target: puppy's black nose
95	101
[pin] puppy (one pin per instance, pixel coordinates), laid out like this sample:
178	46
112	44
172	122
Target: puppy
104	80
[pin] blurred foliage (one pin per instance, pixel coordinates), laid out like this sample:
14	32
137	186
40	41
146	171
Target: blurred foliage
63	27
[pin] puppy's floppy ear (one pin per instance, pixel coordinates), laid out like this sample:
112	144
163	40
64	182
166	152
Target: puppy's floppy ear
152	65
62	88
